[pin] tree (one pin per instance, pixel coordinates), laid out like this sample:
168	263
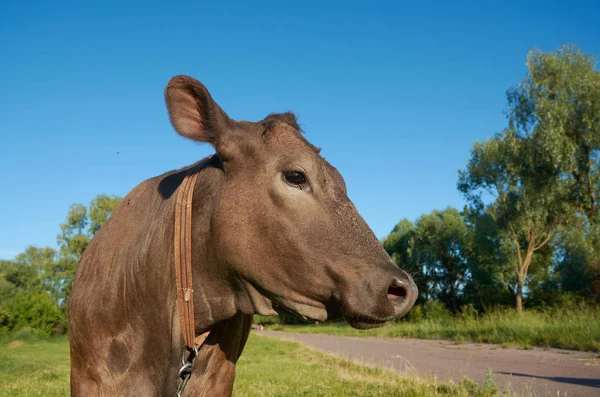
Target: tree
491	273
34	288
27	298
82	224
578	267
400	245
74	238
525	208
433	251
16	277
42	262
101	208
441	239
543	168
558	105
79	228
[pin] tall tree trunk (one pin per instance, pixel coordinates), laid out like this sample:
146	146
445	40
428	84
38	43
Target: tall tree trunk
521	270
519	296
453	299
523	262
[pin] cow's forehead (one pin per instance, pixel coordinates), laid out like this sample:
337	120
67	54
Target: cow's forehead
289	118
283	128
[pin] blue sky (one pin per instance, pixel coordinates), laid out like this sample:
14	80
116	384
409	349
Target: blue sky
393	92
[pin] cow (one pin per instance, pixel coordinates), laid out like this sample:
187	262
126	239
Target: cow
272	231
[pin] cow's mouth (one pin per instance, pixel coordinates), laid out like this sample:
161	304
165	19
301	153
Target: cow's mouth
365	323
312	313
313	310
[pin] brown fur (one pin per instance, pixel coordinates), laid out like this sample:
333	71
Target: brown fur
260	245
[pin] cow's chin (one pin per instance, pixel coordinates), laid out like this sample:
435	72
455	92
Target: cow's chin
365	322
318	311
321	312
269	304
308	312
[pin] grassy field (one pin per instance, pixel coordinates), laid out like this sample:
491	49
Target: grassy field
268	367
569	329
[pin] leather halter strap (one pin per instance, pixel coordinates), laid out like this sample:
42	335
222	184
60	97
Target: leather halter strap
183	257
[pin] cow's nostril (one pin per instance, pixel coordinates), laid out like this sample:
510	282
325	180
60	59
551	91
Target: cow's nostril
397	292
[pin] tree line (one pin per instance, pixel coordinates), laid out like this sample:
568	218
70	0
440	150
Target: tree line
531	227
35	286
528	236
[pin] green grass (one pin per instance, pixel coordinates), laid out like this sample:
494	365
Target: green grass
268	367
34	368
576	329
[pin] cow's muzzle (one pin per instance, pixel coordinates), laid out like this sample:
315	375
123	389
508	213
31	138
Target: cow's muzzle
394	299
402	294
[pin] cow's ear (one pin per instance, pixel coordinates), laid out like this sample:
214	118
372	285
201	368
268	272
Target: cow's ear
193	112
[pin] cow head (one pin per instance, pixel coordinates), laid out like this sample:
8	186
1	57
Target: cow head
283	224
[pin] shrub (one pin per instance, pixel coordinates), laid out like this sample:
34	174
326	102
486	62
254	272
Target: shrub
24	333
416	314
437	311
6	321
36	311
468	313
265	320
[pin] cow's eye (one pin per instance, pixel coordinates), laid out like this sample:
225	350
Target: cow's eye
294	178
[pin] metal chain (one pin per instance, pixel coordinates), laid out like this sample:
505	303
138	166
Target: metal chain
187	367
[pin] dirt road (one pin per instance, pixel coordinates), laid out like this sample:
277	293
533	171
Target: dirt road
550	372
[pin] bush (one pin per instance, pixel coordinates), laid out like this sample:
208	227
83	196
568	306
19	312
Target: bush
437	311
265	320
416	314
468	313
25	334
6	321
36	311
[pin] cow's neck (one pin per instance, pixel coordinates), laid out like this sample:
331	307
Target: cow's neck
218	294
223	296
